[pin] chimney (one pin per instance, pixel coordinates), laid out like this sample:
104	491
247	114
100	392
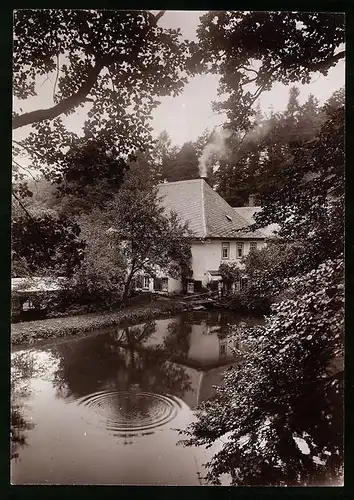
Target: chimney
205	178
251	200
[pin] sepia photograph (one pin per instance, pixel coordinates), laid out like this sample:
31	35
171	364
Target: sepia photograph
177	248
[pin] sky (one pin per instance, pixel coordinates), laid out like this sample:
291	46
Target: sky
187	116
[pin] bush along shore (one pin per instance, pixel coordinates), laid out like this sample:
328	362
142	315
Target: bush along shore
32	331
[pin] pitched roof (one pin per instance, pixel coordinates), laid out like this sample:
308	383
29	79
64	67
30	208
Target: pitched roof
208	214
248	214
37	284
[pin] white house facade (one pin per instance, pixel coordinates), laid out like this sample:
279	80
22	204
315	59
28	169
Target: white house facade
220	233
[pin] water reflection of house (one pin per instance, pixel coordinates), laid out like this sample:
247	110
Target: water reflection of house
197	343
207	348
202	385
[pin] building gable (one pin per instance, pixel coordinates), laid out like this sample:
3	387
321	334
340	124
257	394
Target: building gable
208	214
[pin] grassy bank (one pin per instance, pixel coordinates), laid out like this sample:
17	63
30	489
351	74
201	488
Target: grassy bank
32	331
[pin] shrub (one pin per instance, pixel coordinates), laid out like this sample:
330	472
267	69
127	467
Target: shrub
248	300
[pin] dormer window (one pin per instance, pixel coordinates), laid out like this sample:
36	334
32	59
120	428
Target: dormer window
225	250
228	218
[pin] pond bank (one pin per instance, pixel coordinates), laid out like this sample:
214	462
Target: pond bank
28	332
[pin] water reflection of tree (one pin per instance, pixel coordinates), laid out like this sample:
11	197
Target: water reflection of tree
22	369
177	341
120	360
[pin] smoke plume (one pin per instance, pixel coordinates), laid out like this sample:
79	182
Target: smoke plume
258	132
217	145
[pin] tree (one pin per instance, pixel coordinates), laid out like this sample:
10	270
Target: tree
98	283
163	155
230	273
148	238
267	267
45	243
255	161
113	63
184	165
309	206
97	55
261	48
176	164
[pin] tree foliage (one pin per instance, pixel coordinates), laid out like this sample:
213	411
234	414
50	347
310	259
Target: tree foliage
254	162
261	48
183	165
110	57
98	283
230	272
114	64
163	156
45	243
309	207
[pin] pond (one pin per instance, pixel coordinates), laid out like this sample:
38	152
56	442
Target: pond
104	408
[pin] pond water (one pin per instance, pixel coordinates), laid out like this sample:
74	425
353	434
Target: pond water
104	408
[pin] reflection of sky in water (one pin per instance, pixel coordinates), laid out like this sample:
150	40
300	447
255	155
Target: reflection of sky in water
71	444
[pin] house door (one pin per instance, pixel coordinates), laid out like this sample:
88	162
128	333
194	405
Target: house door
157	284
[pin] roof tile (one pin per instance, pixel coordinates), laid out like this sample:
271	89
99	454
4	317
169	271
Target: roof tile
208	214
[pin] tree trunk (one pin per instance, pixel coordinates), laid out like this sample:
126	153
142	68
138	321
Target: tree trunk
126	287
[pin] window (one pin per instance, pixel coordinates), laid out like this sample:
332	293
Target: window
225	250
190	287
222	349
26	306
164	285
146	282
239	250
253	246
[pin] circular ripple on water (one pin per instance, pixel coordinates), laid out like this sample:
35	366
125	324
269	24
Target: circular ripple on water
127	413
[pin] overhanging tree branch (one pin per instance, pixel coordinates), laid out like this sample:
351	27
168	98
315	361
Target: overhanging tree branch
22	206
29	149
23	168
327	63
80	96
64	105
159	15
